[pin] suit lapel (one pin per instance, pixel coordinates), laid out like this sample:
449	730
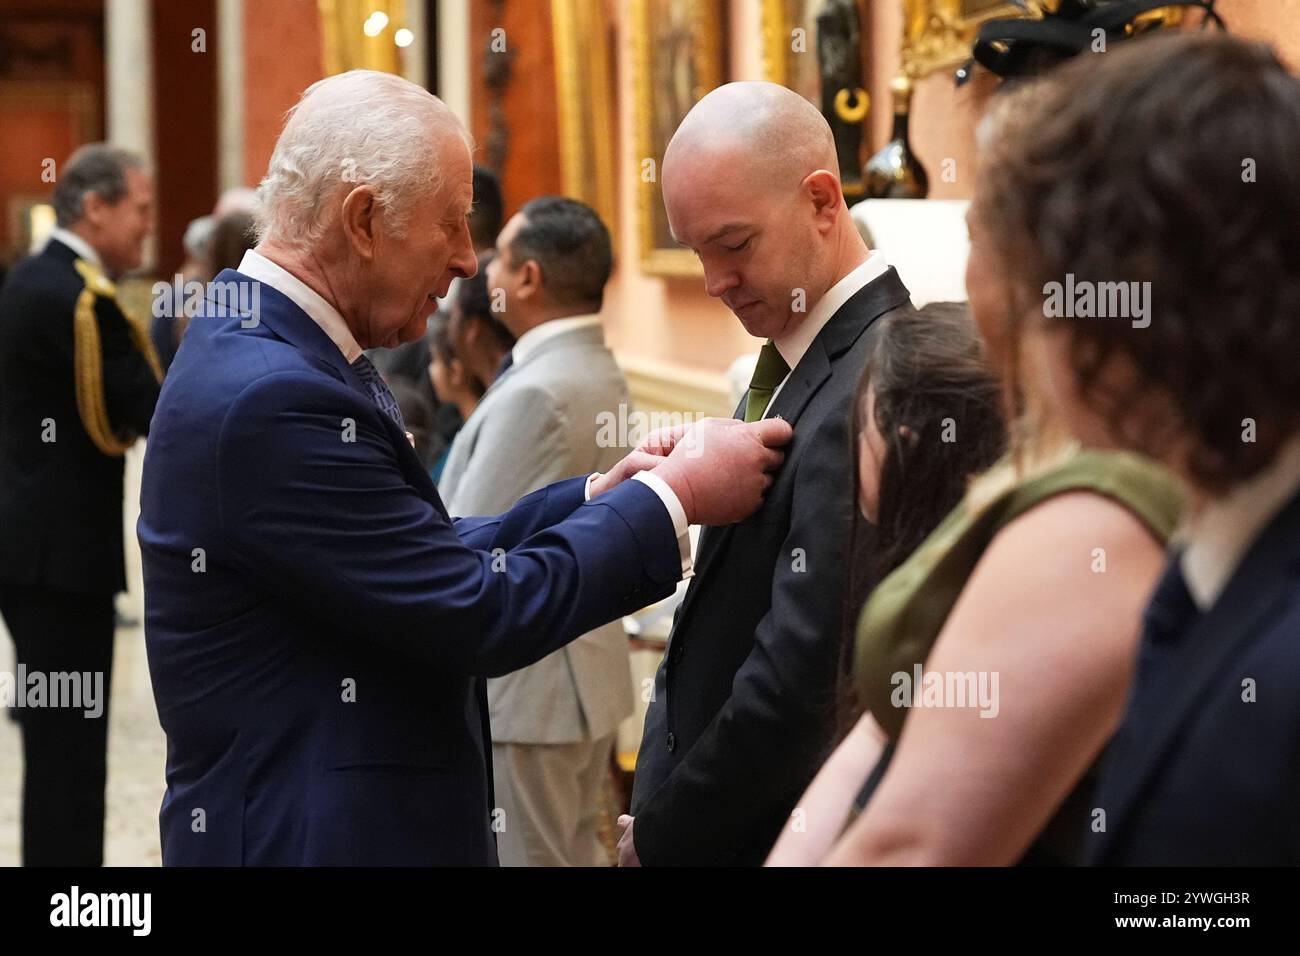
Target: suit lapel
802	383
1202	656
283	316
839	334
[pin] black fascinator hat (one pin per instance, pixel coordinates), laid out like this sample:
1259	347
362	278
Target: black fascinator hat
1013	48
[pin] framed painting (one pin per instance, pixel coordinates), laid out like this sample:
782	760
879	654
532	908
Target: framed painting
790	46
815	47
584	85
938	34
680	51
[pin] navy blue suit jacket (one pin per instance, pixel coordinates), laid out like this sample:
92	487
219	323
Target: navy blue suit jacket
317	626
1199	773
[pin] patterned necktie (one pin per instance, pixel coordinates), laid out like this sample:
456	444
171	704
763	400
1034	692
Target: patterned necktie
770	372
378	389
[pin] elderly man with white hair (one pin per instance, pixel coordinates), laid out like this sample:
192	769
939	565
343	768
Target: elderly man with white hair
318	627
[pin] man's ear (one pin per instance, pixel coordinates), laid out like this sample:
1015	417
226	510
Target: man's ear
466	338
456	372
93	208
824	188
358	217
530	280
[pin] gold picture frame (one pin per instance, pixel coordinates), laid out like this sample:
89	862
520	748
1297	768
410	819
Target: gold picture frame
938	34
348	43
584	84
782	64
679	52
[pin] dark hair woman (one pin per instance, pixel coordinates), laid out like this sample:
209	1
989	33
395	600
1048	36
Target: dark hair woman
479	338
928	415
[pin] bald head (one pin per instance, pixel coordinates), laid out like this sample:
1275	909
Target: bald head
764	131
752	186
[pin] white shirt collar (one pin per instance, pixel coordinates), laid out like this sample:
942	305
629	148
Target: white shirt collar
795	343
257	266
527	343
1217	537
81	247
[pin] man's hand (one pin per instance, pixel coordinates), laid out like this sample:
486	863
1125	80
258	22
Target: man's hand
649	452
633	462
720	468
662	440
626	849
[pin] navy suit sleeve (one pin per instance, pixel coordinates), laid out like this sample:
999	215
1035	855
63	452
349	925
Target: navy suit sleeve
331	526
766	743
530	514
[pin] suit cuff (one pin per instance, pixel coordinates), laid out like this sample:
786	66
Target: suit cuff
678	515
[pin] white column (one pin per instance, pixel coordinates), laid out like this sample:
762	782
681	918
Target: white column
415	58
454	56
128	35
128	67
230	93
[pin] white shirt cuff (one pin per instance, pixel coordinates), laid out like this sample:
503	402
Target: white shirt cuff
586	489
675	511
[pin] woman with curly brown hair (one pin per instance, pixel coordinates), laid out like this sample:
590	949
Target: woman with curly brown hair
1176	164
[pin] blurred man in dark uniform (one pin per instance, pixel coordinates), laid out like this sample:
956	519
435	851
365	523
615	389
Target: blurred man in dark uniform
78	383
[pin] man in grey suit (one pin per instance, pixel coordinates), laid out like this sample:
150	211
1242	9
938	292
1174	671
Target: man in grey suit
554	722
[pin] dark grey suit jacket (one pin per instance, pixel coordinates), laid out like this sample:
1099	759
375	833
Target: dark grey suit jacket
743	708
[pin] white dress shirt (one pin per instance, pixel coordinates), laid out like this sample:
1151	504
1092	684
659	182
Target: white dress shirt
257	266
1216	537
81	247
793	344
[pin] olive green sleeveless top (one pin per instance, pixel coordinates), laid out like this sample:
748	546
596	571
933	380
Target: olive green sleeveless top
906	611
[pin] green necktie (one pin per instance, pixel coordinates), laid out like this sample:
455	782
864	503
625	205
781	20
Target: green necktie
770	372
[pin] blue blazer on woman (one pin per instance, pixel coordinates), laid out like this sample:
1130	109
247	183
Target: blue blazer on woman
1205	769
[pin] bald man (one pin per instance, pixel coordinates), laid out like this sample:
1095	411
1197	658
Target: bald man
744	698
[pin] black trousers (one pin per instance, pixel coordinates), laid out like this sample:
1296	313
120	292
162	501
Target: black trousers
64	751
